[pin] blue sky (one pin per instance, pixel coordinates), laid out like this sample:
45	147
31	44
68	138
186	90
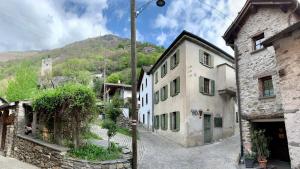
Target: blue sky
47	24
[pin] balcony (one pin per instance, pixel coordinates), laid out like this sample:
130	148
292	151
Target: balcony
226	80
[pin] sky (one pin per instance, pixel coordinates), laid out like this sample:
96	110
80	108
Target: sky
48	24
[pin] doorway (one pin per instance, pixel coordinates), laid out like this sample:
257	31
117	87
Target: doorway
278	145
207	128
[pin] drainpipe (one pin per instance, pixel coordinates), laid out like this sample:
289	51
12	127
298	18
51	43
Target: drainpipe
234	46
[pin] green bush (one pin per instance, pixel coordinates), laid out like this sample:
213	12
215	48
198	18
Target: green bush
260	144
93	152
88	135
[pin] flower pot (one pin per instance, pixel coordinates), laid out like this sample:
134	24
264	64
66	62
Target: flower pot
249	163
263	164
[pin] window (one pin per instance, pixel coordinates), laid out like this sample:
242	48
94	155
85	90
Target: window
156	122
142	102
156	97
257	41
164	93
266	86
146	82
206	59
164	69
164	122
142	87
156	77
218	122
174	60
143	119
146	98
175	121
175	87
206	86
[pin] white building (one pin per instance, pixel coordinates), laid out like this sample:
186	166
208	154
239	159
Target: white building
194	92
145	98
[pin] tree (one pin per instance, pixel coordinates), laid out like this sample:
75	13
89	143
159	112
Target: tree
111	129
112	109
113	78
24	85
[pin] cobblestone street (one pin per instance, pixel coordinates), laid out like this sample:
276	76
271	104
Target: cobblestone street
156	152
11	163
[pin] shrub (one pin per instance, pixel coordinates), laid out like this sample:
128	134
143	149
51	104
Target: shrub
111	129
260	144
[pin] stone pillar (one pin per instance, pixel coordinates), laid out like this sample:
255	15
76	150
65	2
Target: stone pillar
9	140
20	117
246	132
34	119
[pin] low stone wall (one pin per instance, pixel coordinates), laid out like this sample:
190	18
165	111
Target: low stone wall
38	153
50	156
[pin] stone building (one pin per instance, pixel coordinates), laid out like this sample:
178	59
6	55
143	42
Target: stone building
261	99
145	97
193	92
287	48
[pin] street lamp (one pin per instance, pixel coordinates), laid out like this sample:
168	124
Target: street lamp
133	16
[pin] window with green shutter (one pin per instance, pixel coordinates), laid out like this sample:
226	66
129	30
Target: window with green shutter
156	97
206	86
175	87
164	69
156	125
164	121
175	121
174	60
164	93
206	59
156	77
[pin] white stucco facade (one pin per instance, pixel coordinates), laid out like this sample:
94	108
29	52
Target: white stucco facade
145	101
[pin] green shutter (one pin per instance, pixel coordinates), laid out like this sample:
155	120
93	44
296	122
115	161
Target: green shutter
201	55
177	121
212	82
166	68
177	85
172	64
211	60
172	89
161	94
162	71
162	121
171	122
166	92
201	84
177	57
166	121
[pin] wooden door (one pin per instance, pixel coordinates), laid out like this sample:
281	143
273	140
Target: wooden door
207	128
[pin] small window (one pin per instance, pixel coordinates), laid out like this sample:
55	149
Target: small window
156	77
257	41
206	86
218	122
156	97
143	119
146	82
174	60
142	102
164	122
156	122
266	86
142	87
175	121
146	99
175	87
164	69
164	93
206	59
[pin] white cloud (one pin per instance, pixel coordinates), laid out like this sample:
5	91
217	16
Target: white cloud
161	39
46	24
205	18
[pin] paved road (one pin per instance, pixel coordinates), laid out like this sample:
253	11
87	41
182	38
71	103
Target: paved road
11	163
156	152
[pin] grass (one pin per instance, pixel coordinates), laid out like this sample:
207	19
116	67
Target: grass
90	135
96	153
124	131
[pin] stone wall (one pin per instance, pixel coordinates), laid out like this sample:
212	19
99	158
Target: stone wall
123	122
288	61
38	153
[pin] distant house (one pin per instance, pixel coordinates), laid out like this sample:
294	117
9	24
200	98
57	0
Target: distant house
194	92
268	78
122	90
145	97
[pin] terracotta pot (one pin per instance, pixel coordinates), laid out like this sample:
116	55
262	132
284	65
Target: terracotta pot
263	164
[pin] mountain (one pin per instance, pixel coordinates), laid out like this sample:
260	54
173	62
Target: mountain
83	58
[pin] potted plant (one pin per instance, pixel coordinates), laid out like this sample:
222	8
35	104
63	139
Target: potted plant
250	159
260	145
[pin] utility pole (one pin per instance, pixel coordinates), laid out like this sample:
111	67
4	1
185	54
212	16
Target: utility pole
134	83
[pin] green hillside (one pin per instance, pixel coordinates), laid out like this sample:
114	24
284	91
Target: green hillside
81	59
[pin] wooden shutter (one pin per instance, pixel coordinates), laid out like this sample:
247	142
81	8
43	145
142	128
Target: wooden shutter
211	60
172	88
212	88
166	69
162	71
177	57
177	121
162	121
201	84
201	56
166	121
177	87
166	92
162	94
171	121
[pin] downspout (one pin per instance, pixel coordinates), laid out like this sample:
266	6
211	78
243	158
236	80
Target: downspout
292	12
238	95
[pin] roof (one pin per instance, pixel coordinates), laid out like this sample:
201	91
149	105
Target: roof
185	35
268	42
118	85
145	69
249	6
